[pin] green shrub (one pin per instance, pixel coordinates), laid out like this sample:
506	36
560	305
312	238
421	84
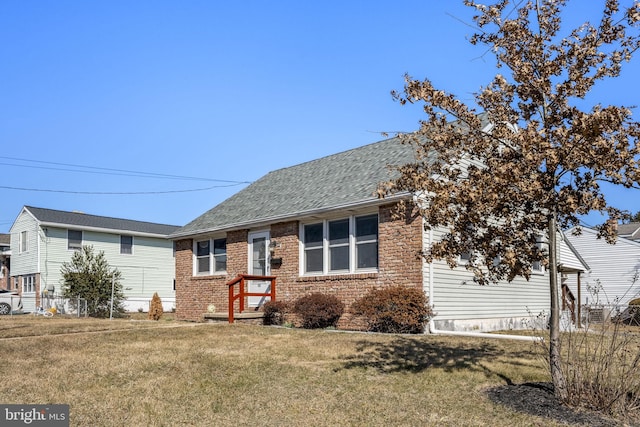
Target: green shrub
274	312
318	310
396	309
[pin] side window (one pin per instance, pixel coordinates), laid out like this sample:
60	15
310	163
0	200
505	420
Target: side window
210	256
126	245
24	241
74	240
536	266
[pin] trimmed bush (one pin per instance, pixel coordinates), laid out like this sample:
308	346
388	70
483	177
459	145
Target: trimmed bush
274	312
318	310
155	310
395	309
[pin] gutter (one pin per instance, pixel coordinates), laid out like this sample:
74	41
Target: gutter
434	331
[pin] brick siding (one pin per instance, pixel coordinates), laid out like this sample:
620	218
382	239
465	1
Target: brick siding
399	244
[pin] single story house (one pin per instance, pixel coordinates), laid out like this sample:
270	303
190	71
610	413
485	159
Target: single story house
614	275
319	227
43	239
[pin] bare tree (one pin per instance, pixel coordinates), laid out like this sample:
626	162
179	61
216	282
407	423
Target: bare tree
504	181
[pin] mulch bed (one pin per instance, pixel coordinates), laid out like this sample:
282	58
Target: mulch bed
538	399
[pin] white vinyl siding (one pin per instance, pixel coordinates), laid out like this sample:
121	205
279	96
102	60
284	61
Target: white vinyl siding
458	300
150	269
614	268
24	235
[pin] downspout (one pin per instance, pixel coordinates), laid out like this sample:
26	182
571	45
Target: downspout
434	331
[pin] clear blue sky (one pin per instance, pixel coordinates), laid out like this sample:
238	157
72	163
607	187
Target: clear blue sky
219	91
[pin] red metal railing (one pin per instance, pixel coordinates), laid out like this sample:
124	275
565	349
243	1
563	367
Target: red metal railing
241	280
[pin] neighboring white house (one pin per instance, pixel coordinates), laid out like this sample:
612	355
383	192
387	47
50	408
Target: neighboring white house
43	239
613	277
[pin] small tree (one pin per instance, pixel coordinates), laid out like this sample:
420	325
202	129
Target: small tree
537	156
89	276
156	310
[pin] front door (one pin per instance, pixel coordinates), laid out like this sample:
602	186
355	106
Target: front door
259	266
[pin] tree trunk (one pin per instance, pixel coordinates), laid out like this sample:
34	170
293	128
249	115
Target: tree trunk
557	376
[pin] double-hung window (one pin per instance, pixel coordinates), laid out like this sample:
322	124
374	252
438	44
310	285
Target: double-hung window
210	256
343	245
29	283
74	240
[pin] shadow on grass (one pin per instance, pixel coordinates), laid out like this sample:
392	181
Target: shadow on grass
408	354
414	355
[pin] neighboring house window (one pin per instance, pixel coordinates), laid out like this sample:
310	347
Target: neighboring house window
126	245
24	241
536	266
342	245
74	240
211	256
464	257
29	283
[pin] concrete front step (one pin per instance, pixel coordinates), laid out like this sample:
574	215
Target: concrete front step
224	316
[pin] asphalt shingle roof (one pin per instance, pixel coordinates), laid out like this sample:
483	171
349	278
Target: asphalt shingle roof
82	220
628	230
339	180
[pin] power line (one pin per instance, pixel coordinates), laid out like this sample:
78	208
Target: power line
118	192
110	171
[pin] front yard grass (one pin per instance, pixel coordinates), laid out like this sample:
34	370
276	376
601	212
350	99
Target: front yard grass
169	373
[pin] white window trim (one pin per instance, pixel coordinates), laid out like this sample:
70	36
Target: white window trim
29	281
325	247
212	264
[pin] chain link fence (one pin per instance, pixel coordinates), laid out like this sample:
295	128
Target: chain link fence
31	304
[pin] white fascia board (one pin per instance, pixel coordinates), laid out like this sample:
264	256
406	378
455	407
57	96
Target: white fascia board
102	230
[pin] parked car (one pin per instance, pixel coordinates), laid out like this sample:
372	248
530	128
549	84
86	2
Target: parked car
9	301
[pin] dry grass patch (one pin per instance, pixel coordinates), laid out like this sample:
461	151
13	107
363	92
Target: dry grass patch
229	375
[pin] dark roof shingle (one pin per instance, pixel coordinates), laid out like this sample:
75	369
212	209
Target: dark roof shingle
82	220
339	180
